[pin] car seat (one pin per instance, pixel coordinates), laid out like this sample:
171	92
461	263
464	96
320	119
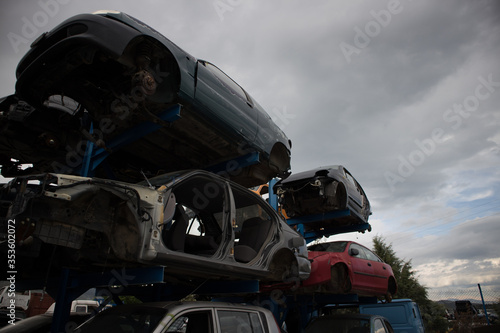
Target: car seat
253	234
175	237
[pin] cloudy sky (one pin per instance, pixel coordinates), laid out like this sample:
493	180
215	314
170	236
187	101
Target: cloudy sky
405	94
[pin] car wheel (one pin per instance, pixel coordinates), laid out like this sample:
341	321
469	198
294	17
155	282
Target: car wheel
279	160
284	267
340	281
391	290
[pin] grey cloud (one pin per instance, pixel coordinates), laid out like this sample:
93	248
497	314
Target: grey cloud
363	114
470	240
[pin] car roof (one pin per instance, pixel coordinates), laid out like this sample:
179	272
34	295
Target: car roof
193	304
321	171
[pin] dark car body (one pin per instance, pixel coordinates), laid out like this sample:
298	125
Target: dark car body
324	190
349	323
349	267
210	317
95	76
195	223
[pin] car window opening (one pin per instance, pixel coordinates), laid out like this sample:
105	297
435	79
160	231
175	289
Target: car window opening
194	227
229	83
253	226
192	322
239	321
338	247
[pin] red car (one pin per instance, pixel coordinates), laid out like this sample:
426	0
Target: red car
347	267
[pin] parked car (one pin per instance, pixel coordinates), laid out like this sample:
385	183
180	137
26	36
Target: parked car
195	223
323	190
349	267
95	76
349	323
214	317
403	314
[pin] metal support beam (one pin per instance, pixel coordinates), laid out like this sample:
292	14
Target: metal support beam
273	198
94	157
310	235
319	217
233	165
313	235
63	304
215	287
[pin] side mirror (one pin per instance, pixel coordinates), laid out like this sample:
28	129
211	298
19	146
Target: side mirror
354	252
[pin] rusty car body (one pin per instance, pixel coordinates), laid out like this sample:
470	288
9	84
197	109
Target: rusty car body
195	223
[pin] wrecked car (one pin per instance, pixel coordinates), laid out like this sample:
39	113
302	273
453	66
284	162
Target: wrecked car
348	267
195	223
324	190
96	78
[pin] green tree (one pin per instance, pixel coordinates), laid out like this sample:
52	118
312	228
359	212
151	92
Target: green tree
409	287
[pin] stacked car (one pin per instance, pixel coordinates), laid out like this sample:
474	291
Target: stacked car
104	82
128	152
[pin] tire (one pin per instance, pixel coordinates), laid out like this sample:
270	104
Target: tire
340	281
279	160
391	290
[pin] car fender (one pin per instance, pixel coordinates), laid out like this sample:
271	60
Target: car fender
320	269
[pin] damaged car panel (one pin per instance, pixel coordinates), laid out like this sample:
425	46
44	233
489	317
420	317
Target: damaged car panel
194	223
324	190
115	72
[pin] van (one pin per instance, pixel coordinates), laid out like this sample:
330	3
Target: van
403	314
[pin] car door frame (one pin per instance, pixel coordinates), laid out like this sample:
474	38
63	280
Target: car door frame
380	272
362	268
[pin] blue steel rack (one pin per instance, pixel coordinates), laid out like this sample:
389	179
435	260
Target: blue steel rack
96	155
